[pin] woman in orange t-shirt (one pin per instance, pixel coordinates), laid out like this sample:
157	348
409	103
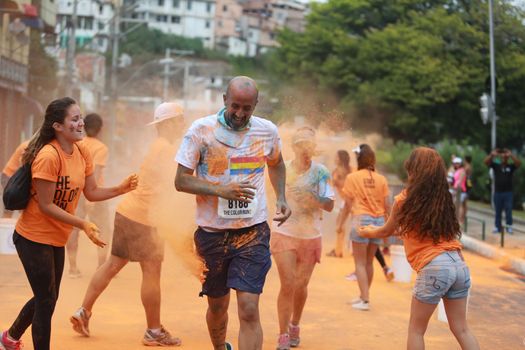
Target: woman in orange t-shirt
60	170
424	216
366	195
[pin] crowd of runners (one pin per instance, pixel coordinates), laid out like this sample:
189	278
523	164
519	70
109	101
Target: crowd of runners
222	160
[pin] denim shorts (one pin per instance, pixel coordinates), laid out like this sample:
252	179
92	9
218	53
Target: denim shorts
446	276
365	220
238	259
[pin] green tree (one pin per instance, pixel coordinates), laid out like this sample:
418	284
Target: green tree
411	69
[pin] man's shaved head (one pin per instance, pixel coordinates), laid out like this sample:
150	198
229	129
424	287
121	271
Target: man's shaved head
242	84
240	100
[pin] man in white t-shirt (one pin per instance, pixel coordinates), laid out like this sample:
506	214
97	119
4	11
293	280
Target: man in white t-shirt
229	151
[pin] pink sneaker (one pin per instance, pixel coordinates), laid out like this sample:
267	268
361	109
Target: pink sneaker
7	344
294	335
283	342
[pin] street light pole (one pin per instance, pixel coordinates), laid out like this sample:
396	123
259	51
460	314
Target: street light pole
492	74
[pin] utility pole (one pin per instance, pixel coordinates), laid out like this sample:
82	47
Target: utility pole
71	50
167	61
115	36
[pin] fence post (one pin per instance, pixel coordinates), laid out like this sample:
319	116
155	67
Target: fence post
466	224
483	230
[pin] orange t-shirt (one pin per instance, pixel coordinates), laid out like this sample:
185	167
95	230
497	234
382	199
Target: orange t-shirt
16	159
368	191
99	153
157	172
69	171
421	252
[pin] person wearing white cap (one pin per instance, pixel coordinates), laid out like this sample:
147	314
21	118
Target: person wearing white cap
135	234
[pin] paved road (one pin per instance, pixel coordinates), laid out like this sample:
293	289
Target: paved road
496	311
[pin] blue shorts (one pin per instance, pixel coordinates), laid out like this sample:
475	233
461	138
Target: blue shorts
446	276
238	259
365	220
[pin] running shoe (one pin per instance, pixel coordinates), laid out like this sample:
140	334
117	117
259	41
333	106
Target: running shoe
283	342
74	274
355	301
495	230
351	277
293	331
509	229
8	344
362	305
333	254
164	338
389	274
80	321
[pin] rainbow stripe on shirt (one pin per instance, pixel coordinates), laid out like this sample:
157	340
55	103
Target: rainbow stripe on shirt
246	165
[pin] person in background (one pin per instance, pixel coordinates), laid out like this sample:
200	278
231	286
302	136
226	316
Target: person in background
366	193
423	215
470	183
12	165
98	212
60	170
296	244
459	187
136	236
342	169
503	172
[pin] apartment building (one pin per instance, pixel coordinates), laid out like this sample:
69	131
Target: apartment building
249	27
188	18
93	27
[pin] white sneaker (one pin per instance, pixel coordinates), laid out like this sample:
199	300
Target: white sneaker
362	305
509	230
355	301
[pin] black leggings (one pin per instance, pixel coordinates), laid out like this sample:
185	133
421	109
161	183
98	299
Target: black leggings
380	258
43	265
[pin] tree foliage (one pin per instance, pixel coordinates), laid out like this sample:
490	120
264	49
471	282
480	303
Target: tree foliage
413	69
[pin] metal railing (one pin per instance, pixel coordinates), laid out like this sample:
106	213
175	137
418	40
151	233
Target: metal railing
483	225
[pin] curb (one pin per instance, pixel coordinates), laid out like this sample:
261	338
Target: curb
490	212
488	251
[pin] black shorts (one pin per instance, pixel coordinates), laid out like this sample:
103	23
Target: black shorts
136	242
238	259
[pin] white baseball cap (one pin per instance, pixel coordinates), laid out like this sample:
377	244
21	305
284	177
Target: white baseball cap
167	110
457	160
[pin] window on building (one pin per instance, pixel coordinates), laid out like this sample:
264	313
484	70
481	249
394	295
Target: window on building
175	19
224	8
162	18
176	3
219	23
88	23
101	25
160	3
208	6
272	36
207	25
189	4
100	9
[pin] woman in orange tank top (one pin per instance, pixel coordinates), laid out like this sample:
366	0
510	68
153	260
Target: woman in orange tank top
60	170
424	216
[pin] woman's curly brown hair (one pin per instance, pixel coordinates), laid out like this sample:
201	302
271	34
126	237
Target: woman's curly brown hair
428	209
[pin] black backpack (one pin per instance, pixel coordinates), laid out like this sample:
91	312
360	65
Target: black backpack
17	191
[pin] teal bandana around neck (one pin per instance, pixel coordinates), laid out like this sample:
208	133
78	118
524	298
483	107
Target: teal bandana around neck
222	119
226	134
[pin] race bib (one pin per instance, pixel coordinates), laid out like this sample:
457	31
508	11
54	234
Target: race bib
234	209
